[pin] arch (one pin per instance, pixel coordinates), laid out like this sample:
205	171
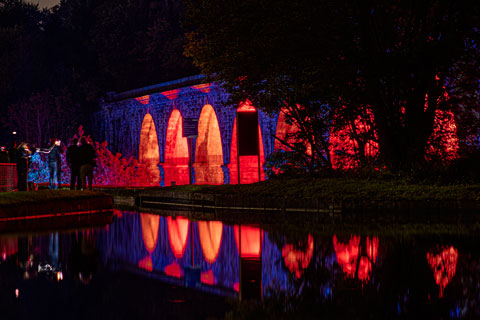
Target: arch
176	151
208	150
248	164
148	153
177	234
150	225
210	234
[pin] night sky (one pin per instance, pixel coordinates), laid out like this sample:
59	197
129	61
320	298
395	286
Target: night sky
45	3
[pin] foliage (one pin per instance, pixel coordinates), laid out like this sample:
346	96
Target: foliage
387	56
110	169
81	49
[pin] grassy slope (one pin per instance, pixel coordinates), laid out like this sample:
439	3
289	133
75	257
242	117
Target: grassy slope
26	197
342	189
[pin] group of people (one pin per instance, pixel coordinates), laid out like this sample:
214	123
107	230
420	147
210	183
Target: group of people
80	158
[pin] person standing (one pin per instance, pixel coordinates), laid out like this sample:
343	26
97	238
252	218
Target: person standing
22	160
54	162
87	160
73	160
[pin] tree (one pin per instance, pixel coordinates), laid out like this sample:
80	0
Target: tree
395	58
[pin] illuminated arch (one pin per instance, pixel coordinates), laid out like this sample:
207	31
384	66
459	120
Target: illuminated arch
208	151
248	164
297	260
210	234
251	241
176	152
177	235
150	224
148	151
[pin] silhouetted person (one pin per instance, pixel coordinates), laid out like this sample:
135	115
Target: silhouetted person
4	158
22	158
87	160
12	152
73	160
54	162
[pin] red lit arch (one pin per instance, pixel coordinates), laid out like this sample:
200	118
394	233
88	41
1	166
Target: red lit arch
297	260
177	234
208	150
150	224
176	152
210	234
148	151
251	241
248	164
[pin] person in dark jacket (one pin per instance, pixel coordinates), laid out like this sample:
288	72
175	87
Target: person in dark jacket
54	162
23	156
87	161
73	160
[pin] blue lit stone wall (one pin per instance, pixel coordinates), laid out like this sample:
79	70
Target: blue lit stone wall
119	120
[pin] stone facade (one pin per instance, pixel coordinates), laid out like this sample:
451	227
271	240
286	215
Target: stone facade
120	118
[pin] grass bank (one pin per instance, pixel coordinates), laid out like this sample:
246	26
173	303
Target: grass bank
342	189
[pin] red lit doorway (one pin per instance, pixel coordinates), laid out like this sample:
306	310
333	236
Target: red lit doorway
248	164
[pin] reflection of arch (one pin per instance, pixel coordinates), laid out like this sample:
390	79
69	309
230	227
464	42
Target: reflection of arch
150	224
208	152
297	260
248	164
210	234
177	234
251	241
176	152
148	151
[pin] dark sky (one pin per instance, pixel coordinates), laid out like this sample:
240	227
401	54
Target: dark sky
44	3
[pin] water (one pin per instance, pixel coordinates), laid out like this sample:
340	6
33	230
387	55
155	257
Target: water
150	266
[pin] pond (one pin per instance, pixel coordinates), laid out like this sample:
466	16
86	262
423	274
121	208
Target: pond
150	266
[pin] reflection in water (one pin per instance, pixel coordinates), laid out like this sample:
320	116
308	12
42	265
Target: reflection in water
210	234
309	271
347	256
444	266
298	260
250	241
177	234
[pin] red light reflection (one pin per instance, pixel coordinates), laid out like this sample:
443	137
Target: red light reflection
177	234
296	260
173	270
251	241
210	234
444	266
348	256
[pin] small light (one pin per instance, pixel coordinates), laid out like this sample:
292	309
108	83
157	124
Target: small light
14	132
59	276
4	256
17	293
